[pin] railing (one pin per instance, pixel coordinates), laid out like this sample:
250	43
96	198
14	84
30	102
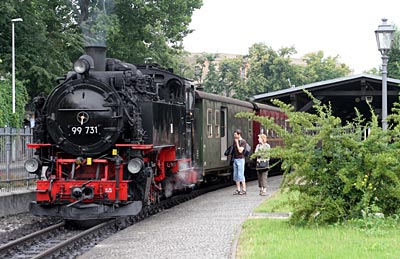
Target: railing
13	154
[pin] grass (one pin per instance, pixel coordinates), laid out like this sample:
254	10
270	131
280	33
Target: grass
272	238
278	202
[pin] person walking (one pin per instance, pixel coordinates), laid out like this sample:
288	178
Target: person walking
239	145
262	163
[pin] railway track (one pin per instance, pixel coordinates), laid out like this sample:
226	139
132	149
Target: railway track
48	242
58	241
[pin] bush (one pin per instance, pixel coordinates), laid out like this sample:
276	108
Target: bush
339	172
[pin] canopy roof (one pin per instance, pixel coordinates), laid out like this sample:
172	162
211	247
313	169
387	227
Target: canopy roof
344	94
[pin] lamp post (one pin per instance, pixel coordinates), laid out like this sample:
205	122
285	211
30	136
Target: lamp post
13	61
384	39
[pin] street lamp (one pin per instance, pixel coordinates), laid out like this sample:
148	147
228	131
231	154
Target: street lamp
384	39
13	62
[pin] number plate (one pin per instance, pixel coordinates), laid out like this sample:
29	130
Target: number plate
85	130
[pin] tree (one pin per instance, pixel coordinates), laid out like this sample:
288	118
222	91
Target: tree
257	59
7	118
212	83
50	37
270	70
45	41
153	29
393	67
204	63
319	68
373	71
224	77
230	77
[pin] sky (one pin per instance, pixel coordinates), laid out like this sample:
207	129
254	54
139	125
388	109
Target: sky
341	27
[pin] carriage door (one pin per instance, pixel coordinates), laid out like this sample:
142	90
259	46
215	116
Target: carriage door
223	133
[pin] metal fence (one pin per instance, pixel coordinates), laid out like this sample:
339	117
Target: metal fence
13	154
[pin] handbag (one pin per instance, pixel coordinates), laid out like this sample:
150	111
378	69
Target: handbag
229	151
262	164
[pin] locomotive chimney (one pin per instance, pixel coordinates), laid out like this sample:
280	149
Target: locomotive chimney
98	53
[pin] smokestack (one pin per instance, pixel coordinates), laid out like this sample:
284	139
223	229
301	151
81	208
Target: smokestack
98	53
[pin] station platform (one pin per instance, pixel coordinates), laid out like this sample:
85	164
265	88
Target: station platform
15	202
205	227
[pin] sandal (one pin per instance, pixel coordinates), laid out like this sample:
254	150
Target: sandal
237	192
242	193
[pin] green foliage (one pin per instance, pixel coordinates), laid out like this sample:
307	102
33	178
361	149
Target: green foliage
223	77
394	57
275	238
7	118
319	68
202	61
50	38
45	41
373	71
278	202
230	77
211	82
151	29
267	70
339	172
270	70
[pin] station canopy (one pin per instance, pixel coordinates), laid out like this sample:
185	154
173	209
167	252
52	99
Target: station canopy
344	94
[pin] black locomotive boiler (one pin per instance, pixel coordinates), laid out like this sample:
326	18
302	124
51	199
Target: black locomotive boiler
113	137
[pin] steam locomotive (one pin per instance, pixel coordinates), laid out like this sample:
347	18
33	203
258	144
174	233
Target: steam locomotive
113	137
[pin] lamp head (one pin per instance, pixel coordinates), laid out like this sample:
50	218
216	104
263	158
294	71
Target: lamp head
83	64
384	37
17	20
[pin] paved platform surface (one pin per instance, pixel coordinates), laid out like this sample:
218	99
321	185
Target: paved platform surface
205	227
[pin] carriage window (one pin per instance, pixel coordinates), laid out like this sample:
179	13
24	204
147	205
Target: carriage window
271	133
217	123
222	123
209	123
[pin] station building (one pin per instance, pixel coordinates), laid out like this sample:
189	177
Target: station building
344	94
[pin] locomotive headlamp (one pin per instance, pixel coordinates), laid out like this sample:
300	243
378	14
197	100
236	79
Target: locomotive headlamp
32	165
83	64
135	165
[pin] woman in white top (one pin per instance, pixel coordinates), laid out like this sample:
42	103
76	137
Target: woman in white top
262	163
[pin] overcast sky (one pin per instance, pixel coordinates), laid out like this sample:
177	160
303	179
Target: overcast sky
341	27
